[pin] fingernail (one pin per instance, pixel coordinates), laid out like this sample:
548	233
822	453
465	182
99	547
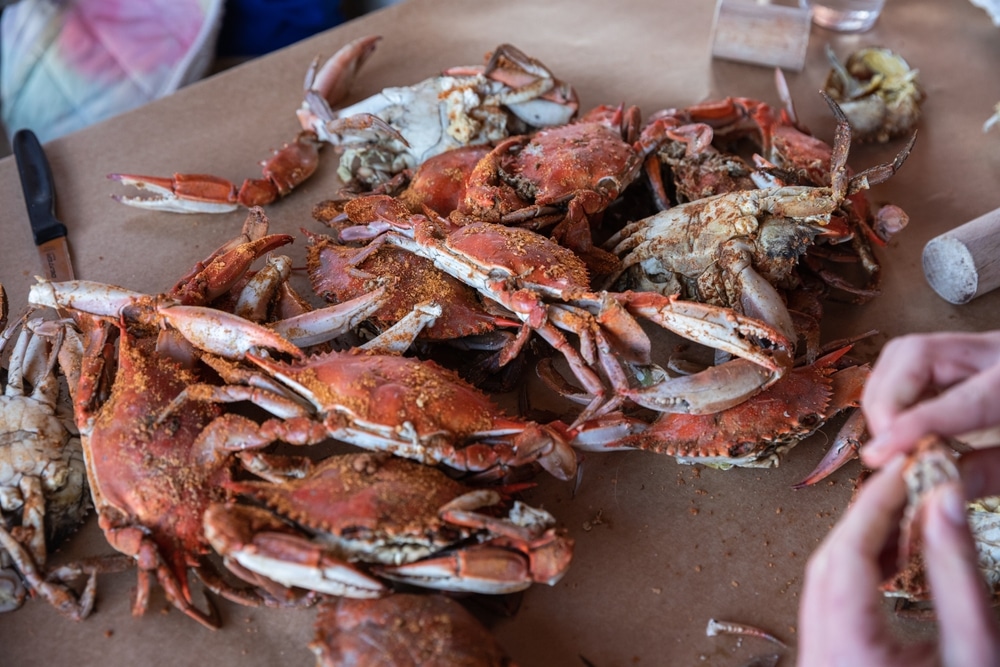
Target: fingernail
952	500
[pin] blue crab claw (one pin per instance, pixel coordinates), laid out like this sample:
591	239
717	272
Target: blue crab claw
844	449
182	193
253	540
225	334
764	355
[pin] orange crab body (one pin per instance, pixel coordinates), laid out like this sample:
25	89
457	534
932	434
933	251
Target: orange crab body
149	482
341	525
405	630
564	176
338	276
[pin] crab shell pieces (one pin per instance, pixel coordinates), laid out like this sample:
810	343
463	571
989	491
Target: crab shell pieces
931	465
880	93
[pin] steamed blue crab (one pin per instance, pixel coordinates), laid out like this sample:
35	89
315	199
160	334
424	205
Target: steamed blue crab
392	131
43	485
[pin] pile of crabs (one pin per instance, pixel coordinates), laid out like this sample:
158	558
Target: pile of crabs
488	230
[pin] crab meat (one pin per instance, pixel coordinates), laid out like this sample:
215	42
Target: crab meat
340	525
394	130
934	462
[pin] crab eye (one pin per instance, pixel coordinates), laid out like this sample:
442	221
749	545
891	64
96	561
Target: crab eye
608	184
811	419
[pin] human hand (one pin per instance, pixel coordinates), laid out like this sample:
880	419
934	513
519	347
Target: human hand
943	383
842	620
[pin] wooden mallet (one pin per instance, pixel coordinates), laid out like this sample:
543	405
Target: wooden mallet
965	262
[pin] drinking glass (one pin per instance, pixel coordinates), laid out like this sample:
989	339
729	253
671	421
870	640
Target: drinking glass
844	15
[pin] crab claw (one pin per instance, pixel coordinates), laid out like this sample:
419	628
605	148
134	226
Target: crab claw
765	355
184	193
844	449
723	328
223	333
251	539
334	79
481	569
549	447
282	172
328	85
535	95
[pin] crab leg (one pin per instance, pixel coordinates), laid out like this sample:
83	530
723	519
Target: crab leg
480	569
209	281
63	598
333	81
398	338
847	386
181	193
232	336
255	297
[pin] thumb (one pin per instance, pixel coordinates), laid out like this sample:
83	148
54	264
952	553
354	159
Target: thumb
969	634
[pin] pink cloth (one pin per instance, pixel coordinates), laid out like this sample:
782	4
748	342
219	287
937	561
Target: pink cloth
65	64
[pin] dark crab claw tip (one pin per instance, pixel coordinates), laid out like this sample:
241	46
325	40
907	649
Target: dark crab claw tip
836	458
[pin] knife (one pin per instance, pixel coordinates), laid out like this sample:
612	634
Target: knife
40	196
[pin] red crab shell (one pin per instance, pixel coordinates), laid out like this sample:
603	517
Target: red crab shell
403	630
440	183
415	280
148	480
366	497
566	175
525	254
559	163
387	390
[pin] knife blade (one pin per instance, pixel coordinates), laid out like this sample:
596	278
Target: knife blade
40	197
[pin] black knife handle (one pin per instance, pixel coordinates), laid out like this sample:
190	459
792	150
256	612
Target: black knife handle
39	190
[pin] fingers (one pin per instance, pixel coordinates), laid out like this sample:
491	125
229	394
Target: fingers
841	619
899	399
980	470
967	406
969	634
900	375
